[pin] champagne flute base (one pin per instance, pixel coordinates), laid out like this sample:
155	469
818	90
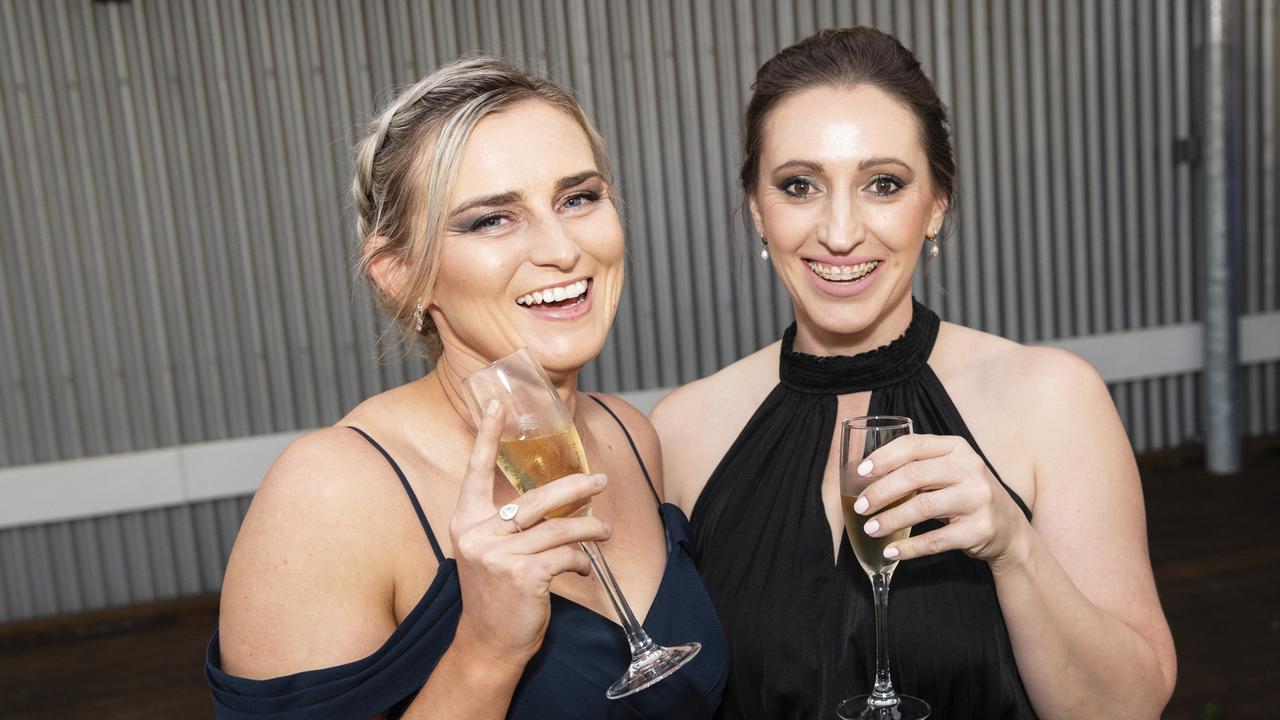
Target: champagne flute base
651	667
908	708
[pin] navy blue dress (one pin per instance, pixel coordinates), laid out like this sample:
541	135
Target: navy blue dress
582	653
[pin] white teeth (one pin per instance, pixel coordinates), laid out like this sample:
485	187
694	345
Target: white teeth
557	294
842	273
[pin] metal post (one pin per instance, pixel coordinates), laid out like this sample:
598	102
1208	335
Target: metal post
1222	73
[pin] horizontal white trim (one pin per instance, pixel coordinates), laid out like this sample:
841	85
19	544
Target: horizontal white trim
49	492
1171	349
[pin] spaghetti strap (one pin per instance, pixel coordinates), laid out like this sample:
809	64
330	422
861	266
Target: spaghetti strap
634	449
422	517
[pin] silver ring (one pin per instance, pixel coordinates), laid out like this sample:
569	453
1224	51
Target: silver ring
508	512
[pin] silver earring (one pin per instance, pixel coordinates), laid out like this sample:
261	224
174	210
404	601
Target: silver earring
933	247
419	315
764	249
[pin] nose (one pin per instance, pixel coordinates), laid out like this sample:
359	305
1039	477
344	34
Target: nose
554	246
844	228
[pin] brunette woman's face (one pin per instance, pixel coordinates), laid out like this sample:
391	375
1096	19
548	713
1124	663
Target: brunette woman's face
845	199
533	254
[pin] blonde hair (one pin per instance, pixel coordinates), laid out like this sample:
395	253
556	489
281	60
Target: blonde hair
407	164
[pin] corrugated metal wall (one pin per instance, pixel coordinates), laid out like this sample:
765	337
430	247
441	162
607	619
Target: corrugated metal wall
177	241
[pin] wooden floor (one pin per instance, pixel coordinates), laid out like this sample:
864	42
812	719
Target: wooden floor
1215	551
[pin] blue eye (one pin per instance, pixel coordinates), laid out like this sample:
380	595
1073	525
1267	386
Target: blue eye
488	222
574	202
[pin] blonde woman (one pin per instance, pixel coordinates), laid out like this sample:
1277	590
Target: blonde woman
372	575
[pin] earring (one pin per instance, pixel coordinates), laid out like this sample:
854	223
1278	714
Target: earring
933	247
419	315
764	249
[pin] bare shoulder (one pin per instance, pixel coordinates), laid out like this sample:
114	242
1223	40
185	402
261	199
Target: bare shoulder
309	555
1043	383
642	433
698	422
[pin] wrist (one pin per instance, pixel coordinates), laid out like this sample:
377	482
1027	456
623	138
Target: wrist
1018	553
494	659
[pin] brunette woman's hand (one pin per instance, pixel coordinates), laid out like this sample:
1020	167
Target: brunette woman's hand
505	567
951	483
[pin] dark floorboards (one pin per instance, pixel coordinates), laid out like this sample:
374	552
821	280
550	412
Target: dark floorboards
1215	551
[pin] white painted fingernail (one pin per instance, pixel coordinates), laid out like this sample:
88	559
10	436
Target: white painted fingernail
891	552
599	479
861	505
871	527
865	468
492	409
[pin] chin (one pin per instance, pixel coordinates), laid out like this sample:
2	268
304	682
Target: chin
566	353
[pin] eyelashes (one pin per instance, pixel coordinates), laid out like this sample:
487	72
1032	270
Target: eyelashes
881	185
885	185
494	221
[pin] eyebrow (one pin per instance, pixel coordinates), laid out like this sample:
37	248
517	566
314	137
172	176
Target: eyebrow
569	181
872	162
512	196
816	167
505	198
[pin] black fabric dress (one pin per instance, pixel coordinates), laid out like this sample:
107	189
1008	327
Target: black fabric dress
800	623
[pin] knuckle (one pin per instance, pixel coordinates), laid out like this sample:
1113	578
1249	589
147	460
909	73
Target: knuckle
935	544
465	544
494	562
927	504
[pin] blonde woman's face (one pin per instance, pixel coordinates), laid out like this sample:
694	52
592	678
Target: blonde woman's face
533	252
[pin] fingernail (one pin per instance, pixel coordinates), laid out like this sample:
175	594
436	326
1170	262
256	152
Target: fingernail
871	527
865	468
861	506
608	527
492	409
891	552
599	479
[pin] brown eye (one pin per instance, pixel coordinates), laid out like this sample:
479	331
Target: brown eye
797	187
885	185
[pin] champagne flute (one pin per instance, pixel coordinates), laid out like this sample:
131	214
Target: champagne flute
540	444
860	437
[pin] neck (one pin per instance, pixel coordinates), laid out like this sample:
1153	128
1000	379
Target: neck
811	339
456	363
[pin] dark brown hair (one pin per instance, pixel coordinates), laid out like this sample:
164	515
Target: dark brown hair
845	58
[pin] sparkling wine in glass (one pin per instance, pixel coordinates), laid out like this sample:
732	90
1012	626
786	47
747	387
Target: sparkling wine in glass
540	444
860	437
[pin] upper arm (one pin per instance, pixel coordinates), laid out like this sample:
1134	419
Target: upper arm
643	435
680	424
306	586
1089	508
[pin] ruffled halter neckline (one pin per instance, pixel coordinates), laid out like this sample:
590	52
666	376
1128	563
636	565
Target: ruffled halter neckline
871	370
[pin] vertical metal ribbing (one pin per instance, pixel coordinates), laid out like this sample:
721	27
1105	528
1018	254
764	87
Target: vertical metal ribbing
1222	240
175	180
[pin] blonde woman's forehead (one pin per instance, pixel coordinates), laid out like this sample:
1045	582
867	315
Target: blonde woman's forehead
524	149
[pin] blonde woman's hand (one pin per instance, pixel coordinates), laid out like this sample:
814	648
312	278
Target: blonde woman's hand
505	573
952	484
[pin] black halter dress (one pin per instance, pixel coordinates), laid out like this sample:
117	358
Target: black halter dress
800	623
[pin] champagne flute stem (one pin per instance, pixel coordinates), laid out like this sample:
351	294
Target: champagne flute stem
639	640
882	693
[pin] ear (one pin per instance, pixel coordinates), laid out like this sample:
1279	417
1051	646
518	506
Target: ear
754	206
386	270
937	217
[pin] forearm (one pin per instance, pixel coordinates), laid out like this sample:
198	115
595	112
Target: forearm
467	683
1075	659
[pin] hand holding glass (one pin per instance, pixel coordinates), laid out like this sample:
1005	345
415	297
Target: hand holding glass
539	445
860	437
